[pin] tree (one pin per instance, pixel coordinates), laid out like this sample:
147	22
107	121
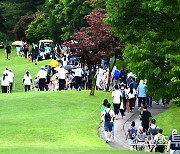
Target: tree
37	30
151	32
22	25
66	17
14	9
95	42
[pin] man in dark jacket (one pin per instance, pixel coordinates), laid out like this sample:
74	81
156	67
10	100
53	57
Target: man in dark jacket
8	51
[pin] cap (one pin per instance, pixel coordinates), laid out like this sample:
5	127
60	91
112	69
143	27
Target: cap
122	84
174	131
10	69
42	67
27	71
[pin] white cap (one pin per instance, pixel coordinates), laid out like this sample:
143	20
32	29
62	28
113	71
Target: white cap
42	67
174	131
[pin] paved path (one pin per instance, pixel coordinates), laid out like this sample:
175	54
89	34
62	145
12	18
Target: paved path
121	125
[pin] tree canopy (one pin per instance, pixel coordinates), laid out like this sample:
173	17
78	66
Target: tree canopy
151	32
95	42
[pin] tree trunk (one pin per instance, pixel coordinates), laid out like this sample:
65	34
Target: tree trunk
109	75
92	73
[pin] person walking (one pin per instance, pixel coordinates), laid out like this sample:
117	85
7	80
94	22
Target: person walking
62	78
27	81
174	143
160	142
109	116
35	52
131	94
152	131
26	49
54	64
141	139
131	136
141	93
11	77
8	51
5	82
145	116
78	77
117	99
42	74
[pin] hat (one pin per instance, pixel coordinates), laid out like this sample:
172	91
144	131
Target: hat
6	68
42	67
10	69
174	131
122	84
27	71
140	130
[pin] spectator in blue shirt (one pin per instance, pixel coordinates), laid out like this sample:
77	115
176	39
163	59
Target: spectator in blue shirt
134	83
141	93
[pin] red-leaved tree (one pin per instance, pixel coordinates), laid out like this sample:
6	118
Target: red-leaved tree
95	43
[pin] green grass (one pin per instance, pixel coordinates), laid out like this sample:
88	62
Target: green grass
169	120
49	122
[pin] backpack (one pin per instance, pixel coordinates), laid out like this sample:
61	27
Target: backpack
123	93
160	139
153	131
107	116
132	134
117	74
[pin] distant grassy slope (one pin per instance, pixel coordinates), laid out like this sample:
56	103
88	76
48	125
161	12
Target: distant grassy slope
19	65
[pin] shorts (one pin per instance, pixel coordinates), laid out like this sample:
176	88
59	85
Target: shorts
108	126
132	142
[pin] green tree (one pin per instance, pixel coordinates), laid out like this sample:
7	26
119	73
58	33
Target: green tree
37	30
66	17
14	9
151	32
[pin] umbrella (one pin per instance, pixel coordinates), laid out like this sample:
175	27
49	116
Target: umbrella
17	43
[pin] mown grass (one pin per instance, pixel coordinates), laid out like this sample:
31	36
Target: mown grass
170	119
51	122
48	122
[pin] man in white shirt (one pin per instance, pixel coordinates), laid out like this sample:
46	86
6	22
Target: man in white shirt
11	78
109	116
62	78
116	95
42	74
78	77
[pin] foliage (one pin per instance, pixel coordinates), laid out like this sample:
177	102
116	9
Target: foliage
37	30
95	42
66	17
22	25
12	10
151	30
